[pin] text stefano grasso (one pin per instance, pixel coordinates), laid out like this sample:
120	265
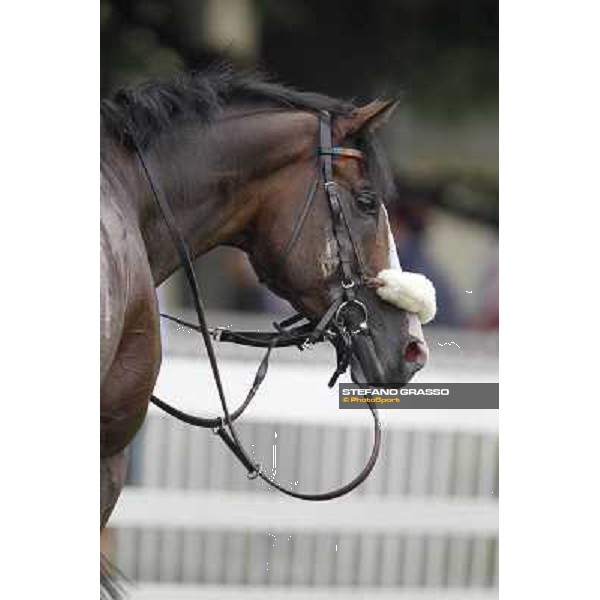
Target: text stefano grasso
396	391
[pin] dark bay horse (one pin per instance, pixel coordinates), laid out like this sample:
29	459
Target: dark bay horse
235	156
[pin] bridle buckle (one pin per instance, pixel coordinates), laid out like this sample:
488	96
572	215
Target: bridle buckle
216	333
362	328
256	472
308	344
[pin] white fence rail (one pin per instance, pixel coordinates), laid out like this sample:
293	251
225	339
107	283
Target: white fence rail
425	524
180	509
190	592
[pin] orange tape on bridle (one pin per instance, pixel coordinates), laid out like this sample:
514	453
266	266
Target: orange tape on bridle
345	152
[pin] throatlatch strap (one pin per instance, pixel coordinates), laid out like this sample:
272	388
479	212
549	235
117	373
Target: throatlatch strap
280	261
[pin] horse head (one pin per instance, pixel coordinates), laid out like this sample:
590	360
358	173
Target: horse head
335	260
297	181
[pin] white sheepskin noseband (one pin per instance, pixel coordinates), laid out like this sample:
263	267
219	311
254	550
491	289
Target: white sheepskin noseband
411	292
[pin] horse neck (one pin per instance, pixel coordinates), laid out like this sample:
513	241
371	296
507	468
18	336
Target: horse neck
214	179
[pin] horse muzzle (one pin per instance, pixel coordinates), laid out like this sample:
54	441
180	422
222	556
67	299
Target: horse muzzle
366	365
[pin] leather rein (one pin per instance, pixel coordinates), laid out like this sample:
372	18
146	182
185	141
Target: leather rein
344	323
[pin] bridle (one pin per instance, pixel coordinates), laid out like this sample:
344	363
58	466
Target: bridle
344	323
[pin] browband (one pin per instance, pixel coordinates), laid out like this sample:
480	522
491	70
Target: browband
346	152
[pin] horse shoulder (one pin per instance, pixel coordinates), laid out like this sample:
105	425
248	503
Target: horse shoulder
129	325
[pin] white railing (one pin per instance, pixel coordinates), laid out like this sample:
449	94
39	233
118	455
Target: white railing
425	524
192	592
190	510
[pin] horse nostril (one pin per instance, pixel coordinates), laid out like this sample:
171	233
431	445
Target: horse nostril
416	352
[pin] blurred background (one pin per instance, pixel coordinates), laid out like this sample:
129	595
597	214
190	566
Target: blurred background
189	523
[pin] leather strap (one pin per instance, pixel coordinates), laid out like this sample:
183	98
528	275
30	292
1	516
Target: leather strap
296	232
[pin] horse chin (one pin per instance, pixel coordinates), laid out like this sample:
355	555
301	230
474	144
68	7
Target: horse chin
358	376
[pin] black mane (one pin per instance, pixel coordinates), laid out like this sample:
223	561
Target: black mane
140	113
137	115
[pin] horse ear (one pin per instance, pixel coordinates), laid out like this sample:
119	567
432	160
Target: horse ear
366	118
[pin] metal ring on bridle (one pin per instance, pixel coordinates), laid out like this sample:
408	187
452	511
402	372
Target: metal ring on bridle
339	313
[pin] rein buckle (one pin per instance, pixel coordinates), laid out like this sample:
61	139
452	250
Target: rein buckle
216	333
256	472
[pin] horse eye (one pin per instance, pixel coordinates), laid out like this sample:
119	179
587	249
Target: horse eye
367	201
